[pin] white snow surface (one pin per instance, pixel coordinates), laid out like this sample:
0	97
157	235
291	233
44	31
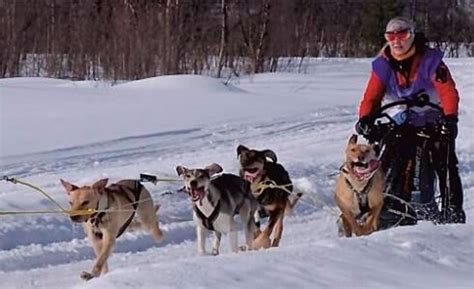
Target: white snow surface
83	131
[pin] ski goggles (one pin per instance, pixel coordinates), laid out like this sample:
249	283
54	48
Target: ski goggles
401	35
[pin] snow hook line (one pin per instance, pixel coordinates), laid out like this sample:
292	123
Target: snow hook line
17	181
60	211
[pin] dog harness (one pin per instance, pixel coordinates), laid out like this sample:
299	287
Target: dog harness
208	222
362	197
96	218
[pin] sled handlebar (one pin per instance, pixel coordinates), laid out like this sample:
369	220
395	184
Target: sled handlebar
420	99
417	100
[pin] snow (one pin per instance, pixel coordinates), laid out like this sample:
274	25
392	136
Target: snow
84	131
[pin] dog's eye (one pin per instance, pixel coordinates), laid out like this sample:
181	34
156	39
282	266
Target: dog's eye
85	203
353	150
70	203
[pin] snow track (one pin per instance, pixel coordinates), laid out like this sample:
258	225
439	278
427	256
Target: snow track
48	251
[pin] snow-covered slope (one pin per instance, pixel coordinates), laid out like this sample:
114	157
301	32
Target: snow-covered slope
83	131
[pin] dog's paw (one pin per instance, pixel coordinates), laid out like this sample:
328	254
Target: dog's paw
361	231
275	243
215	252
367	230
86	276
261	241
158	235
244	248
358	232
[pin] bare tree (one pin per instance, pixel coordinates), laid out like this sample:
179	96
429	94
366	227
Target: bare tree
224	37
132	39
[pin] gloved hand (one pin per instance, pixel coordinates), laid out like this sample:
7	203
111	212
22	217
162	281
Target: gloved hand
364	126
449	126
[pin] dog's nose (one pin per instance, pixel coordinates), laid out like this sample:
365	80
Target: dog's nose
193	183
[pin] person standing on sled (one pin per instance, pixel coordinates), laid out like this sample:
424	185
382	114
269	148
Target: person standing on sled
405	67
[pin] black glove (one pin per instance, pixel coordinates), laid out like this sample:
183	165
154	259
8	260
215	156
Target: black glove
364	126
449	126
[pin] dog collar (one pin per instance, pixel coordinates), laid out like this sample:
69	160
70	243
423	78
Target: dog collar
102	205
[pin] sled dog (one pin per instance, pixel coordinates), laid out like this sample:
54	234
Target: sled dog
276	202
359	189
215	202
116	206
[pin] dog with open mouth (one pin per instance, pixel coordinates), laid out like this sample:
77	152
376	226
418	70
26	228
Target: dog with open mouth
216	201
359	189
113	208
271	185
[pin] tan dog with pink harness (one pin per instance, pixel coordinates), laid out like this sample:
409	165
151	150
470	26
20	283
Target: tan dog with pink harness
359	189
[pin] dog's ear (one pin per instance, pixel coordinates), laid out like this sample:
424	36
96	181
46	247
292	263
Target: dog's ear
213	169
180	170
353	139
99	186
270	154
68	186
241	149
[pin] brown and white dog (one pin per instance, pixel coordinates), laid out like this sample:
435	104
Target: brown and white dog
359	189
116	206
276	201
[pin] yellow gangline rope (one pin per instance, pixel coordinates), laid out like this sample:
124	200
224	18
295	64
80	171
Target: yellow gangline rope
51	199
272	185
68	212
17	181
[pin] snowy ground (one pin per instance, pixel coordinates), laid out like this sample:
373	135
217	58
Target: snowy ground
83	131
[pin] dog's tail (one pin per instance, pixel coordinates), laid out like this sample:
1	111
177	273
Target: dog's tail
292	200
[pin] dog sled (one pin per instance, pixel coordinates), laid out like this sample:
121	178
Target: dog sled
415	190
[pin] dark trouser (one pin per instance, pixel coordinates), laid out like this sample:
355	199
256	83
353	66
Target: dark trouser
411	161
397	163
445	163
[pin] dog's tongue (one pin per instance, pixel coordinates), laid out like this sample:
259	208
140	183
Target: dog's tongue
362	172
197	194
374	164
250	177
